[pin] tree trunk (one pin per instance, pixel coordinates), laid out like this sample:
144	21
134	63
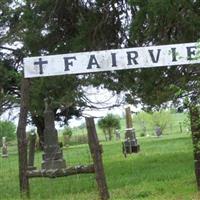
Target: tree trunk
195	129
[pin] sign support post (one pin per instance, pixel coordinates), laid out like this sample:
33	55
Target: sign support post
22	139
96	151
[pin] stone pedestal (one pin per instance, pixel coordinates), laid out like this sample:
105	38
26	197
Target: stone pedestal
130	133
130	144
52	157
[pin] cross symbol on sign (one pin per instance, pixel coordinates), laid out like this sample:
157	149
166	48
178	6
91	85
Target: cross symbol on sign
40	63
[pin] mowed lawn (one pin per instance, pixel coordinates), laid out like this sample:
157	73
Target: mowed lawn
164	169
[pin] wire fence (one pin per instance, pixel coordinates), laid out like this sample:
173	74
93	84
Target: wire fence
9	172
75	153
140	131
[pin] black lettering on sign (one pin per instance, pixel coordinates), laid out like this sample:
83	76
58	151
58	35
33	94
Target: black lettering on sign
154	60
132	56
92	61
68	62
41	63
191	51
174	54
114	62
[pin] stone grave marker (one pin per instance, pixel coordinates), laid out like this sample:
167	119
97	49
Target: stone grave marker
52	157
158	131
130	144
4	148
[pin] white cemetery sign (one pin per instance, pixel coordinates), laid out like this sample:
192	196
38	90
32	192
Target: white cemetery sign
109	60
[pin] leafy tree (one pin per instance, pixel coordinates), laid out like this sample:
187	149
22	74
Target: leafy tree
165	22
155	119
8	130
161	119
157	22
52	27
9	86
109	124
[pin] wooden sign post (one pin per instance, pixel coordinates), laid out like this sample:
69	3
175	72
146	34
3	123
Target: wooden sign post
96	151
22	139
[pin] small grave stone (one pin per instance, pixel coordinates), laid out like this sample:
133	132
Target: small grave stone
4	148
158	131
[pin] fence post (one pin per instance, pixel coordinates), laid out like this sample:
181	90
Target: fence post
96	151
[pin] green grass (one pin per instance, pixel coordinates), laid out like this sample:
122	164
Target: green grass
162	170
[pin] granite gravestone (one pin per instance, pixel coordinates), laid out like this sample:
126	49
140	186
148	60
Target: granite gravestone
52	157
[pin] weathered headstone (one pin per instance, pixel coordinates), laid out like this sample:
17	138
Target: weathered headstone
158	131
117	134
130	144
4	148
52	157
31	156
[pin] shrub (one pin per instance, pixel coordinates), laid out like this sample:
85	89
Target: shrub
8	130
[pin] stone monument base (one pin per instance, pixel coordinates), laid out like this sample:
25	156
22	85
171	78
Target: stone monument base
32	168
53	160
4	152
4	155
130	146
53	164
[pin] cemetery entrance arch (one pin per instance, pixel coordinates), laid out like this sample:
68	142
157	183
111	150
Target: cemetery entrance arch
89	62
